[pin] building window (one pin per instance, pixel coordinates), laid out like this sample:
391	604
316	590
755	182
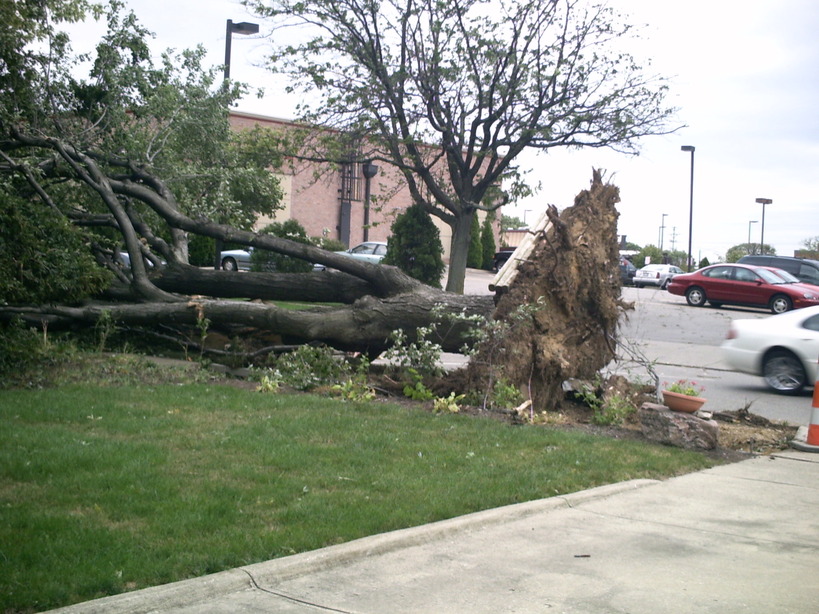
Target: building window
351	182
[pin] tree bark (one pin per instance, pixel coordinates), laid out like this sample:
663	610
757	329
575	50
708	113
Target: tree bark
365	326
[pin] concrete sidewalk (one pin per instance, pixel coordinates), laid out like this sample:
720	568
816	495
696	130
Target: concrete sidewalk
742	537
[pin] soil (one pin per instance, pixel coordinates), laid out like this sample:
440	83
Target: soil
741	433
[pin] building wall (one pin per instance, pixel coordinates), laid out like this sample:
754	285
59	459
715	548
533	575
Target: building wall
314	199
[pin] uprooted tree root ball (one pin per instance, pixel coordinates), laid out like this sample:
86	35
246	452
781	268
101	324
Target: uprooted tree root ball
561	310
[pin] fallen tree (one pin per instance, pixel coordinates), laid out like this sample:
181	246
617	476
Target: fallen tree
556	319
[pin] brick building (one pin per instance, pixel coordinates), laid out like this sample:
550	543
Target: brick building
332	203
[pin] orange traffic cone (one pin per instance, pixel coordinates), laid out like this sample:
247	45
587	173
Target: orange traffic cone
810	443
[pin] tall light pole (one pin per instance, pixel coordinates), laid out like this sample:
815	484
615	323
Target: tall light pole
691	203
763	202
231	29
236	28
662	230
369	169
750	249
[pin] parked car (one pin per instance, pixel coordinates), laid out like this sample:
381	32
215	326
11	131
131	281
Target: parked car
740	284
656	275
783	349
236	259
369	251
627	272
501	257
806	271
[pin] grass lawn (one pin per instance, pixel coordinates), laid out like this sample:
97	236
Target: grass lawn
105	489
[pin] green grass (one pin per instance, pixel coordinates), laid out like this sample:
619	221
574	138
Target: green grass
108	489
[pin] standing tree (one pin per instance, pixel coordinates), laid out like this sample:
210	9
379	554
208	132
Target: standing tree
746	249
450	93
474	258
488	242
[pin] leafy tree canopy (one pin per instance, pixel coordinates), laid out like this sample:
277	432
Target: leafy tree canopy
746	249
103	149
450	93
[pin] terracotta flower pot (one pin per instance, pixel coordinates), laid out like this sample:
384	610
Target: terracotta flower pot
682	402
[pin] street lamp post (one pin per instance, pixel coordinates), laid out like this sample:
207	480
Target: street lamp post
763	202
236	28
750	249
662	230
691	202
369	169
231	29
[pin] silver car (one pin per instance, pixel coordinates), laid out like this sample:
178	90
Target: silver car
656	275
369	251
236	259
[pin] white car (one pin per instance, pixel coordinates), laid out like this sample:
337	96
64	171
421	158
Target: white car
656	275
369	251
783	349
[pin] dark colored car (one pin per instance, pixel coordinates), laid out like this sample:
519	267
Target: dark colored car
806	271
627	272
501	257
740	284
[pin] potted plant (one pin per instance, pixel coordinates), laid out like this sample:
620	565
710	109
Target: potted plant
683	395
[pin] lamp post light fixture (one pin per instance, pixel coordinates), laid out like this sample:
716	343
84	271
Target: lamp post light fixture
236	28
662	230
763	202
691	203
369	170
231	29
750	247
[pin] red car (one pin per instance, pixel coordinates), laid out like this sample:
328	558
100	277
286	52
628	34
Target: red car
742	284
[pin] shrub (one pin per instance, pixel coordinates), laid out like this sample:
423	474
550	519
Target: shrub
488	242
47	259
264	260
415	246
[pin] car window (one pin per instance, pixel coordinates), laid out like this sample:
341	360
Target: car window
808	274
745	275
718	272
362	249
380	250
812	323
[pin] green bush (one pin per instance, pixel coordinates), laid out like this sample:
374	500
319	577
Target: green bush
488	242
201	250
47	260
331	245
415	246
264	260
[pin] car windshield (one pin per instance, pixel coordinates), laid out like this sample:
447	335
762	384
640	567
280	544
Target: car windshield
774	278
791	279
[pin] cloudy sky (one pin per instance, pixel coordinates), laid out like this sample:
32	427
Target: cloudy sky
744	75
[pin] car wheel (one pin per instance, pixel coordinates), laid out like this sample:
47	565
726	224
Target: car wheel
229	264
780	304
695	296
783	372
664	285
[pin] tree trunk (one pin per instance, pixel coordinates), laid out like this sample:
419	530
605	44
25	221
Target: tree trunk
316	287
365	326
459	249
